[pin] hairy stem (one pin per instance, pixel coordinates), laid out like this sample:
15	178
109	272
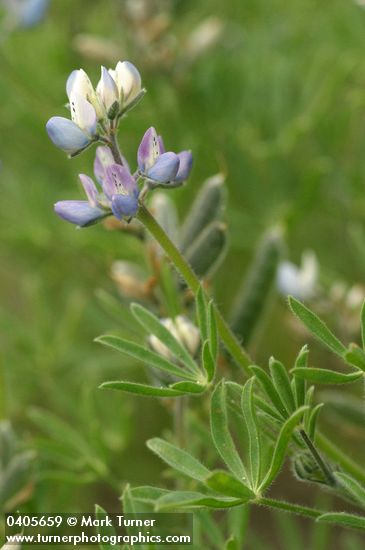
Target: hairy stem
289	507
319	460
182	266
179	421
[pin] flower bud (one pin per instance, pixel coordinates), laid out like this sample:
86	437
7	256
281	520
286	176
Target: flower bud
183	331
306	469
129	279
107	90
83	113
188	333
128	81
78	82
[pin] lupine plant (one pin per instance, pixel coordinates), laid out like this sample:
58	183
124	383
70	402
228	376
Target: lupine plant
235	423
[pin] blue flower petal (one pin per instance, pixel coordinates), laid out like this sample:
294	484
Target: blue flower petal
119	180
103	159
79	212
66	135
90	189
31	12
145	154
165	168
185	165
124	206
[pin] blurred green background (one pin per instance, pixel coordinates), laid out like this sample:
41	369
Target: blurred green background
277	102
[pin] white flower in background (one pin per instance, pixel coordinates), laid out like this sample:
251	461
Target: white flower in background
183	330
299	282
11	546
360	3
130	279
25	13
355	297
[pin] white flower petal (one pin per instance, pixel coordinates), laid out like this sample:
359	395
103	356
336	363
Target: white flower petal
107	89
128	81
83	113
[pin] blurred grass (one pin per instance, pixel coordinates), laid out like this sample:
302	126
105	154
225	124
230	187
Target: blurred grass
279	105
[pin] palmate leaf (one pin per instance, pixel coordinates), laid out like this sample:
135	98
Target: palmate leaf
220	432
353	487
206	526
326	376
228	485
342	518
312	420
104	530
188	387
267	409
238	524
178	459
299	383
69	437
281	380
144	355
153	326
191	499
316	326
147	494
308	401
254	441
281	446
355	356
207	361
208	330
201	306
270	390
141	389
213	331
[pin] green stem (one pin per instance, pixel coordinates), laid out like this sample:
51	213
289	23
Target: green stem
339	457
2	392
289	507
179	421
183	267
114	147
319	460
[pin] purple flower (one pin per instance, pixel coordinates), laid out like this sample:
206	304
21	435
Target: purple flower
117	193
162	168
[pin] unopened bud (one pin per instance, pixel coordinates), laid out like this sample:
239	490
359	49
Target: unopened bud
129	279
183	331
306	469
